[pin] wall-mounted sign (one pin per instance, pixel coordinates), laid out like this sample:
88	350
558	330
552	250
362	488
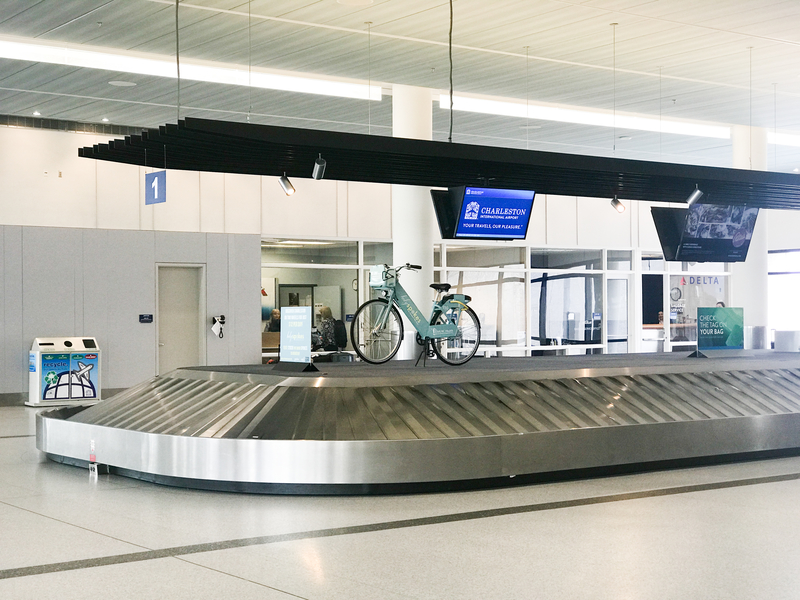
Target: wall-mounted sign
296	334
145	318
720	328
155	187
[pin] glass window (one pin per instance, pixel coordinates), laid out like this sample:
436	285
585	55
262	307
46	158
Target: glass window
437	255
309	252
686	294
698	267
499	301
619	260
617	316
652	262
574	260
566	308
784	262
485	256
377	253
333	288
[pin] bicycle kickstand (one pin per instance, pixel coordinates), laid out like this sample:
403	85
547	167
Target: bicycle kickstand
423	353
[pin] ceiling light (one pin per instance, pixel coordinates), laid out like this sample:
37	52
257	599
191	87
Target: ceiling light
618	206
287	186
694	196
89	57
625	137
104	119
119	83
796	169
319	168
36	113
600	118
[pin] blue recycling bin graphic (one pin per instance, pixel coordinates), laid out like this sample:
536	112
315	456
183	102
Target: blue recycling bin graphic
69	375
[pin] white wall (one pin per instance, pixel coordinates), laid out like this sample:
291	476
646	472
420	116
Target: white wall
96	282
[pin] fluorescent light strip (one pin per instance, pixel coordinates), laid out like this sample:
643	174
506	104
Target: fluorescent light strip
783	139
158	66
582	117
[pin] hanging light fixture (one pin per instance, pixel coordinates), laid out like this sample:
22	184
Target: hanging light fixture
618	206
694	196
319	168
287	186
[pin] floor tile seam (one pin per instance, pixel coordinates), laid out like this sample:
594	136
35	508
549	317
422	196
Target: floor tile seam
382	526
105	535
239	577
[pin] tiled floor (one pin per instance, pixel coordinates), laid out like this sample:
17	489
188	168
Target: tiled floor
729	532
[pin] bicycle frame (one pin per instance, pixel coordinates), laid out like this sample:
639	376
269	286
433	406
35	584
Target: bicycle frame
397	295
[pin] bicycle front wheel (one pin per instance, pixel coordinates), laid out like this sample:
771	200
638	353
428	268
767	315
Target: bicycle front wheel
458	350
376	331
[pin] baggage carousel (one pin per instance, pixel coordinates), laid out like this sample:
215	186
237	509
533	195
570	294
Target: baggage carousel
355	428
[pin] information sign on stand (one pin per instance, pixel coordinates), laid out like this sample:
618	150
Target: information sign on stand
295	353
720	328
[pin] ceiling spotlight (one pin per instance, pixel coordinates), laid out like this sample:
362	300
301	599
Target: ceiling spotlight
694	196
287	186
319	168
618	206
105	119
36	113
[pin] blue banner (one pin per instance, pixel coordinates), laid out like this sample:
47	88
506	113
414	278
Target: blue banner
296	334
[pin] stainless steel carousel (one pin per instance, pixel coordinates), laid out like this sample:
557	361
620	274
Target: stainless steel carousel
356	428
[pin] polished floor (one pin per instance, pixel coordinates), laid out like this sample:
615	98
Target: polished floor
730	531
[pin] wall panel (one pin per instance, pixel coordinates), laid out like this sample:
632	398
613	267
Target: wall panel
14	352
117	195
242	203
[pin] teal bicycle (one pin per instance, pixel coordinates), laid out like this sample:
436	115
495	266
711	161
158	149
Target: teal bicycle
452	332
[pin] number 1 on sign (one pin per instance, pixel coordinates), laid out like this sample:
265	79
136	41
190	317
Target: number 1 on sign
154	185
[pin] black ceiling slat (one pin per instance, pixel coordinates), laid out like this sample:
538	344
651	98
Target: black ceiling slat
222	146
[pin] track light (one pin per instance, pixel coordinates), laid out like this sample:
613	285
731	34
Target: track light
319	168
694	196
287	186
618	206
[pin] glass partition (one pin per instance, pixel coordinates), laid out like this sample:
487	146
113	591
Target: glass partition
309	251
499	301
573	260
485	256
566	308
378	253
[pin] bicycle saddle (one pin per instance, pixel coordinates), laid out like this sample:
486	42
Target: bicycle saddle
441	287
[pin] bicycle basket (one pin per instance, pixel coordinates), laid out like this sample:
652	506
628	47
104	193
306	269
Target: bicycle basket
376	276
380	276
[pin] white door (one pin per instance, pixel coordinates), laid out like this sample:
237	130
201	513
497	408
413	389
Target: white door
179	317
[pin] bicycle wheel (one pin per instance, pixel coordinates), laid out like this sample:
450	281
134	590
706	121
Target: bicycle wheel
458	350
373	343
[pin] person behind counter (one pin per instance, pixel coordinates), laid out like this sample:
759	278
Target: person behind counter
325	338
274	323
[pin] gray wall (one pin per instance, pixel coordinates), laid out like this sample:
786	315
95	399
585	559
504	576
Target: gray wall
96	282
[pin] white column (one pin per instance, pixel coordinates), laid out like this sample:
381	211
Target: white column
413	219
749	279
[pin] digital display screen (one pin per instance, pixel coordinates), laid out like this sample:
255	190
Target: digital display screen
494	214
717	233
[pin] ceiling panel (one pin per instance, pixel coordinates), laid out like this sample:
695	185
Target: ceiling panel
700	48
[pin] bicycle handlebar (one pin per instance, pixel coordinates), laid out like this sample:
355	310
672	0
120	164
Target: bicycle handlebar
405	266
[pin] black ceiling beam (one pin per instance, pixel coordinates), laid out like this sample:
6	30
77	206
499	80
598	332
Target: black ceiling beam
223	146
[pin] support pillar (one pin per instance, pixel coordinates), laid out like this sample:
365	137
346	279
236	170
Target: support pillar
749	279
413	219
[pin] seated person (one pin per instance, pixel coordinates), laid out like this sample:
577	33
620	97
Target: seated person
274	323
325	338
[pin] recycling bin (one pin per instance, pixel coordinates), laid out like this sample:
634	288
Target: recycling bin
64	371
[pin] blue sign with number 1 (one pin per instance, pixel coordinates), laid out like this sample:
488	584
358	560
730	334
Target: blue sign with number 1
155	187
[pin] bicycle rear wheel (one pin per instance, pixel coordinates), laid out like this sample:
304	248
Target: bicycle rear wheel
458	350
376	331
